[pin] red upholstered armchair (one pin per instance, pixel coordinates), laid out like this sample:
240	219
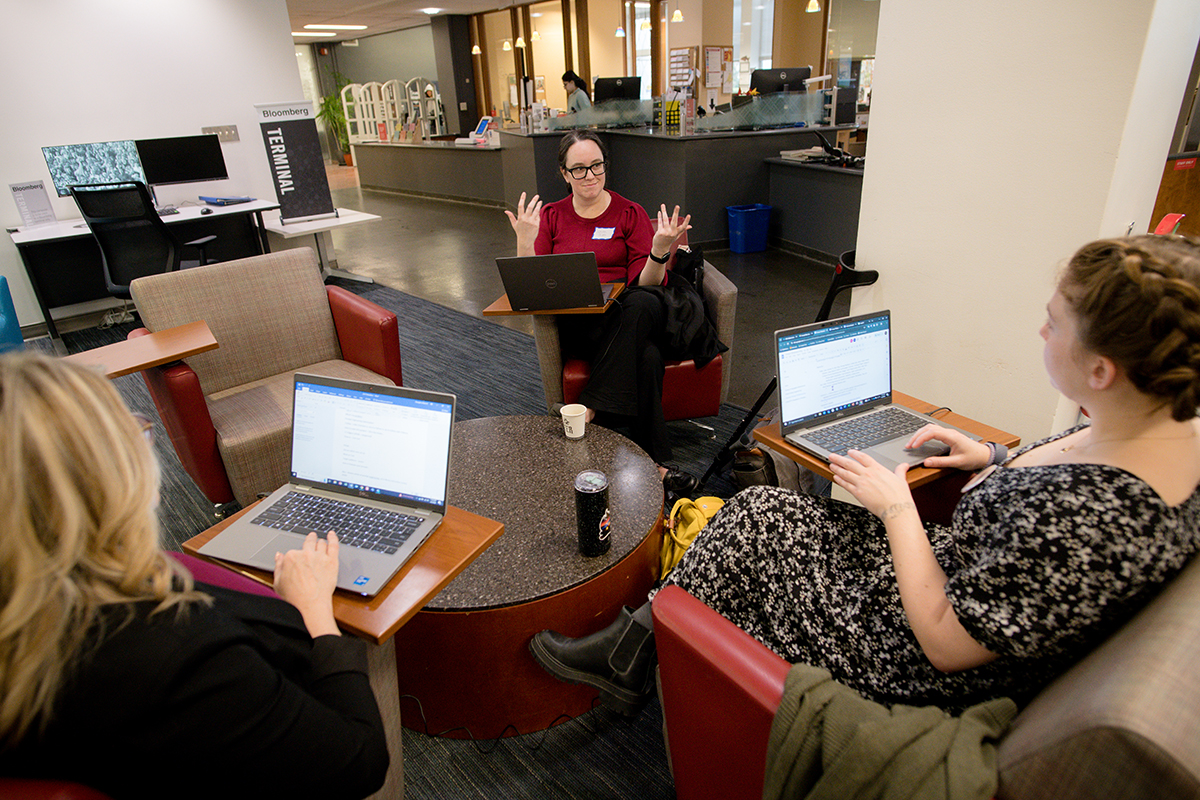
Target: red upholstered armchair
688	392
228	411
1122	723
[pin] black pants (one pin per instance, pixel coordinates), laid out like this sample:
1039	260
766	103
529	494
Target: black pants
625	388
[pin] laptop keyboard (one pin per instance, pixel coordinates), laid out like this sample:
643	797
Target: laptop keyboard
867	430
356	526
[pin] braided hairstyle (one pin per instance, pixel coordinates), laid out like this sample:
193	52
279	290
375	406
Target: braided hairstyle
1137	301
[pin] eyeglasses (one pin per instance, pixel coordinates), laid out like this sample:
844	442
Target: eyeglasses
146	425
579	173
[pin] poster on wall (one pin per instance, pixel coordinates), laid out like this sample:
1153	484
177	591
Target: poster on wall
293	150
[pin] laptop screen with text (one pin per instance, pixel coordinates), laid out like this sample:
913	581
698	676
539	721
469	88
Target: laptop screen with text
833	367
373	443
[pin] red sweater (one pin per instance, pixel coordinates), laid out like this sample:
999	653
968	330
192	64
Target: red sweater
620	237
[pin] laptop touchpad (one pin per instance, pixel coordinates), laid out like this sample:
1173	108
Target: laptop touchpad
280	544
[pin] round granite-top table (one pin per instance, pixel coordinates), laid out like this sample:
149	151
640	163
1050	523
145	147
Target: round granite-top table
465	656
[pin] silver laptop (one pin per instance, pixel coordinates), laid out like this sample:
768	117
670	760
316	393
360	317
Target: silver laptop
371	463
558	280
835	392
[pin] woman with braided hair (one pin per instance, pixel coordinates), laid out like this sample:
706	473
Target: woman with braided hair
1050	551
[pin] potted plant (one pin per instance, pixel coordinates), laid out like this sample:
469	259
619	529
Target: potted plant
332	113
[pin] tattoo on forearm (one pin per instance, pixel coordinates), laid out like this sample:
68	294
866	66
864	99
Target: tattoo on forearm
896	509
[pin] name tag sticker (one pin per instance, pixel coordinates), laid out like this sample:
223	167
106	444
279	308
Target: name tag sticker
603	233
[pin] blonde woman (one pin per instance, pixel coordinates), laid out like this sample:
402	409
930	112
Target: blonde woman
114	663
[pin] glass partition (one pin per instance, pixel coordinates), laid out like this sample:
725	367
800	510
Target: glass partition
610	114
781	110
549	56
502	81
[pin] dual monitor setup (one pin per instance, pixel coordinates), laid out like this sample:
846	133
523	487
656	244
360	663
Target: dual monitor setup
154	162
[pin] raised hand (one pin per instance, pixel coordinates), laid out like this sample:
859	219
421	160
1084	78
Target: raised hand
525	223
670	228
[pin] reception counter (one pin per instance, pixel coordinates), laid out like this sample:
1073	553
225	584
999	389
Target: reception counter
433	169
816	209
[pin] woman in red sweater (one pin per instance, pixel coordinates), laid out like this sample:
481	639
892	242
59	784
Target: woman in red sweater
625	388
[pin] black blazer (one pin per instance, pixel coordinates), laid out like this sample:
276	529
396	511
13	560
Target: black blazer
229	701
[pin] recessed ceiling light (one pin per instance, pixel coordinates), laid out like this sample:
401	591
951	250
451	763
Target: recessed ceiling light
309	33
335	27
431	11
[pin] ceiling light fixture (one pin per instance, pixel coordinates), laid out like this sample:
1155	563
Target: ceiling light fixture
507	45
309	33
812	7
431	11
535	36
646	25
475	50
678	15
521	41
335	27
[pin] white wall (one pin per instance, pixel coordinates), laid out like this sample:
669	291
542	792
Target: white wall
86	71
1004	136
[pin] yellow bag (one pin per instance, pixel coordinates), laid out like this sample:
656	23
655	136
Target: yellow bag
688	518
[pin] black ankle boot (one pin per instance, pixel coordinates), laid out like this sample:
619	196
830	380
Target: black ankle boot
619	661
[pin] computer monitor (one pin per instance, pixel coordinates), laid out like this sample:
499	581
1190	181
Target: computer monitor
95	162
627	88
784	79
182	159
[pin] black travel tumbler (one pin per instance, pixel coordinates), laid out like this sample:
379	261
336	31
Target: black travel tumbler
591	512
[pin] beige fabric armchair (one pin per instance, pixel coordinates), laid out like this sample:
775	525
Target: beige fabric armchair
229	411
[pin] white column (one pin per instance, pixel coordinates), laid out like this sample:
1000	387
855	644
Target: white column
1002	137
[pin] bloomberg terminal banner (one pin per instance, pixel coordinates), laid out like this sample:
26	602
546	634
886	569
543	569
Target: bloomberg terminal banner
297	168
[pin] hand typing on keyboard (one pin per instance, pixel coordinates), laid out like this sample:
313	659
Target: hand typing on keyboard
965	452
307	577
882	492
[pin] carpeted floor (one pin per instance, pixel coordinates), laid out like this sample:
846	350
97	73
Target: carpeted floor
493	370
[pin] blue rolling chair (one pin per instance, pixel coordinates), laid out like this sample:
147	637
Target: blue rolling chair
10	329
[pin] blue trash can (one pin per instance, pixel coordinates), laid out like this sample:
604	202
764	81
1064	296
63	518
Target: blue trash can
10	329
748	227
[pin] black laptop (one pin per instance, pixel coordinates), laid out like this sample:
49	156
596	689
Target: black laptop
558	280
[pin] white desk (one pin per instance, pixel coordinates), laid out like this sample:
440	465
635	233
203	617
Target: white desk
345	218
63	261
68	228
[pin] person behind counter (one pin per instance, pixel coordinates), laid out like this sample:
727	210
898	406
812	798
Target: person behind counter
117	670
625	388
1052	550
576	89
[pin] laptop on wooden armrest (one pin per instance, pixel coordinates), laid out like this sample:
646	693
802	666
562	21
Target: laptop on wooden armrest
554	281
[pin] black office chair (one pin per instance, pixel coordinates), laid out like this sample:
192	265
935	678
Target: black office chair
845	276
133	239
